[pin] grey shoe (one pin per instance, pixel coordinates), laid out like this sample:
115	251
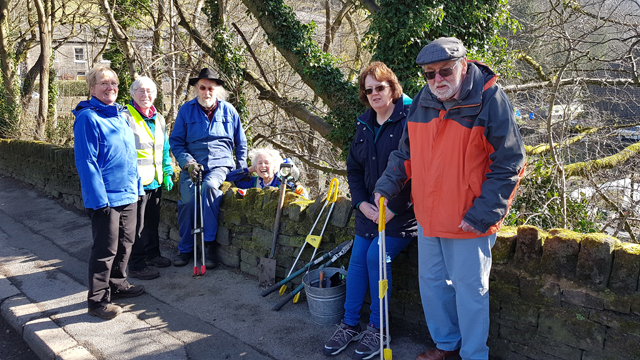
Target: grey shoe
344	335
209	257
159	261
128	292
369	345
182	259
106	312
147	273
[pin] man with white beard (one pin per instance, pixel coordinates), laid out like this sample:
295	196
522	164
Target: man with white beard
463	152
206	134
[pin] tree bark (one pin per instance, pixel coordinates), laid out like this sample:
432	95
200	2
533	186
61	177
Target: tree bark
44	26
121	37
8	69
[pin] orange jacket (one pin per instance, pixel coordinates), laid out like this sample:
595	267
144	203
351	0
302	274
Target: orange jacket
464	162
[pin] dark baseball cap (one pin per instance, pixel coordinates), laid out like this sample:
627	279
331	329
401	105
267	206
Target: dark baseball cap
442	49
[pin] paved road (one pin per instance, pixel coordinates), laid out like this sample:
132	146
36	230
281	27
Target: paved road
12	346
43	279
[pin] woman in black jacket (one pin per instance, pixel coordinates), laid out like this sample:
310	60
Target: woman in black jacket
378	132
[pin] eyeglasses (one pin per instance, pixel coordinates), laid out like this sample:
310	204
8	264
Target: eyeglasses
106	84
207	88
444	72
379	88
142	91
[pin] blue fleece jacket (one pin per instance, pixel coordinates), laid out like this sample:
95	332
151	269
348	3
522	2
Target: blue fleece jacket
105	155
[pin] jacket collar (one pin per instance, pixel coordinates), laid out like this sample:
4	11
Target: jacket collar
479	78
399	112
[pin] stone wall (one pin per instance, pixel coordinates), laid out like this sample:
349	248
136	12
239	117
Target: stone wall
554	295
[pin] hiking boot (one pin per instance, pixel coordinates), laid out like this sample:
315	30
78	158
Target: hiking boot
107	312
182	259
341	339
159	261
209	257
147	273
369	346
128	292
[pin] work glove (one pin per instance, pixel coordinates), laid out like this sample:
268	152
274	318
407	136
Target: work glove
167	183
194	169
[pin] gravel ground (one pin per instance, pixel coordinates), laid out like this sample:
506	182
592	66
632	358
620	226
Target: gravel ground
12	347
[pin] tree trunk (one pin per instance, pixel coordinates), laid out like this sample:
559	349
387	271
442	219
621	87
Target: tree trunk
121	37
8	71
44	25
157	53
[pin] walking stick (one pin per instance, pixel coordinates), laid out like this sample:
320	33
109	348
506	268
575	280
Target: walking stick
383	284
198	229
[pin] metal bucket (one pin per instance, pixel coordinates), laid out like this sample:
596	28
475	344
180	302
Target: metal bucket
327	304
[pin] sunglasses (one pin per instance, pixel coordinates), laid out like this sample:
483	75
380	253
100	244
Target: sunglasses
205	88
379	88
444	72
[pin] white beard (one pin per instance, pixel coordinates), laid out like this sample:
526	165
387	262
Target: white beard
450	91
207	103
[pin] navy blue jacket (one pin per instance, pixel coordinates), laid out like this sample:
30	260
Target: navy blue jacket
367	161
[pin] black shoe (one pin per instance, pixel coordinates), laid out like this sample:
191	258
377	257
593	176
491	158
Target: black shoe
147	273
159	261
182	259
106	312
209	257
128	292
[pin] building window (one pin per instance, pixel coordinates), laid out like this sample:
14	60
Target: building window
79	54
81	75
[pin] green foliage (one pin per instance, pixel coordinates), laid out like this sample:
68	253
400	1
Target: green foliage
538	203
401	28
322	68
119	66
9	113
53	93
73	88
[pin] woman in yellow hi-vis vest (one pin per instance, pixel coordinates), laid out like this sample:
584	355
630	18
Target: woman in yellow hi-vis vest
154	166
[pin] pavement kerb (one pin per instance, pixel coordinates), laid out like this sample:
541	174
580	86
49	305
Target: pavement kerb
45	338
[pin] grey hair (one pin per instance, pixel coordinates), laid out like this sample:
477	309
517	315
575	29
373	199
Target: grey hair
220	93
272	153
143	81
92	76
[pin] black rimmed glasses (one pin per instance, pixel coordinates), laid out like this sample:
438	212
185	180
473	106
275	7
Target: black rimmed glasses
444	72
378	88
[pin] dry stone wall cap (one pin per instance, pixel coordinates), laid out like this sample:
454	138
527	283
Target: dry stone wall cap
442	49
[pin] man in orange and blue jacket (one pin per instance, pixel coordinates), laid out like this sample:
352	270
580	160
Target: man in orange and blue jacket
463	151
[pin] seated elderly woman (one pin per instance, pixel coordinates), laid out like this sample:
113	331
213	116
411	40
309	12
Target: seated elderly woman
263	172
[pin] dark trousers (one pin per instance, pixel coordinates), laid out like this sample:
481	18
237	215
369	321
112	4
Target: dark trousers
147	244
113	236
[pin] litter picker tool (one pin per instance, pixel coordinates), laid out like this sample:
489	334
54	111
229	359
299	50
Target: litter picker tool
314	240
340	249
198	227
267	266
295	294
383	284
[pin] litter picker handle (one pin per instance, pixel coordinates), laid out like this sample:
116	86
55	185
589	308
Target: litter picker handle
332	196
382	215
287	298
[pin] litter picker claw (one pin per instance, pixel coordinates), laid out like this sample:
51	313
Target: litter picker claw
198	228
383	284
295	294
314	240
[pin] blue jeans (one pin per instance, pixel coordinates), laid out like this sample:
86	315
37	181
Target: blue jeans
362	275
211	199
454	287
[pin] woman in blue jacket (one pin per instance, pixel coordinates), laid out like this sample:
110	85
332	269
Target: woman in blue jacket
106	159
378	132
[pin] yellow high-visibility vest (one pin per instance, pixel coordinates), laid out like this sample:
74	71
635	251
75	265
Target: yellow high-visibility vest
150	146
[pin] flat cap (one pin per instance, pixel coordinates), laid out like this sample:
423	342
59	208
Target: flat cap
441	49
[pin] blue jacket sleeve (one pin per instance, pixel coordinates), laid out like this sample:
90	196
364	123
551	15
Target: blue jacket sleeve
507	164
355	177
178	138
240	142
86	149
398	169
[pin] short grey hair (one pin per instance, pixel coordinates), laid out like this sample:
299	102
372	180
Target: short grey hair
220	93
272	153
143	81
92	76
